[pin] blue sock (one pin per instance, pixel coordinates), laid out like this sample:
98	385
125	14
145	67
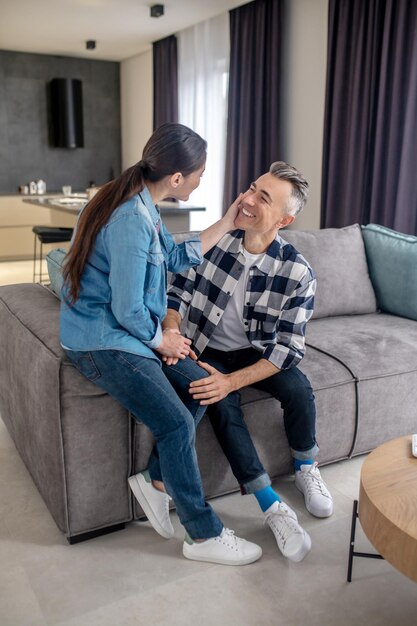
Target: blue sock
298	463
266	497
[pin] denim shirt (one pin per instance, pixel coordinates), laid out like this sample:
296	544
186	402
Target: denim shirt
123	286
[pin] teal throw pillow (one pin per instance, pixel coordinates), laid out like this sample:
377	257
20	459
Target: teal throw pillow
54	261
392	263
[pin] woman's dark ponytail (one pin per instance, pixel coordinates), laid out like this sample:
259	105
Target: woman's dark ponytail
94	216
172	148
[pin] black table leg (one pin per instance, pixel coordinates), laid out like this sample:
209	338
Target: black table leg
352	552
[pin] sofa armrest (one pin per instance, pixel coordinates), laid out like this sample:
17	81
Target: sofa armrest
73	438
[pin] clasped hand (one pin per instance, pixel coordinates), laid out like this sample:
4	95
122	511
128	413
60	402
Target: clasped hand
174	346
207	390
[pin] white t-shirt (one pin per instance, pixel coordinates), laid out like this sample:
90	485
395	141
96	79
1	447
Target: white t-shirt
229	333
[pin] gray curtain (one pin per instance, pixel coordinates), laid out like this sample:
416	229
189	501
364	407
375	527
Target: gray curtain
253	127
165	81
370	135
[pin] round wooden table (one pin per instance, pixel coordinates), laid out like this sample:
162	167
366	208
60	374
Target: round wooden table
388	503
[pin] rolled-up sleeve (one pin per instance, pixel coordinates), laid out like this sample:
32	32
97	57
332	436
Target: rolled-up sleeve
289	347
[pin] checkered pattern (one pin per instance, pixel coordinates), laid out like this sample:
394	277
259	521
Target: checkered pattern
279	298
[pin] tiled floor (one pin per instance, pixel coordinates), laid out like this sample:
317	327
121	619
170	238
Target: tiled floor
136	578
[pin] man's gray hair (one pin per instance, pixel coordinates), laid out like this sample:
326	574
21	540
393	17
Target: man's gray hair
300	186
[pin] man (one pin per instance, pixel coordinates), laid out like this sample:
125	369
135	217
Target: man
246	309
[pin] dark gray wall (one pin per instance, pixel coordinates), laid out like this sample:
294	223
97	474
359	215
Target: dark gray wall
25	153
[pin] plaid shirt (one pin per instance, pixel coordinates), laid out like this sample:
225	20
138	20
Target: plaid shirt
278	303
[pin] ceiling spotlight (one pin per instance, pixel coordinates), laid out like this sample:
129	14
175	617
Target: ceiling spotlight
90	44
157	10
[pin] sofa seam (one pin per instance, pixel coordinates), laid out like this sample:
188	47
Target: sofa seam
366	378
64	469
356	380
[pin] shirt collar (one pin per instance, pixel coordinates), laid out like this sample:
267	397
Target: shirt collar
236	244
146	198
273	252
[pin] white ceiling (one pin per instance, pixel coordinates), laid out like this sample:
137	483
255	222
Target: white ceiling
121	28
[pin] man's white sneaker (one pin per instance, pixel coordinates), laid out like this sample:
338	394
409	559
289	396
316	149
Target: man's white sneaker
226	549
293	541
155	504
317	497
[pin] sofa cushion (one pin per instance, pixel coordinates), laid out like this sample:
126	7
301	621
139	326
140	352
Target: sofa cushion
379	350
54	261
338	258
392	258
371	346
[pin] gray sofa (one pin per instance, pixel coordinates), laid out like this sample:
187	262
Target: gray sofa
80	446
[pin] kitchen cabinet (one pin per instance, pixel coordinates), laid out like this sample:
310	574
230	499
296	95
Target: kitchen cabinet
17	219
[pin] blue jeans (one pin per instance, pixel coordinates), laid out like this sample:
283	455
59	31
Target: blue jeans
291	387
140	385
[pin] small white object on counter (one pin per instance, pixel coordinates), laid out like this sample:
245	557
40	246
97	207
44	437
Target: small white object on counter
41	186
414	445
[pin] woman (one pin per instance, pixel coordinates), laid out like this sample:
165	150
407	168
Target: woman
113	305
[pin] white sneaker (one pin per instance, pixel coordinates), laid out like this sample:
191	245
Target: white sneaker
292	540
317	497
155	504
226	549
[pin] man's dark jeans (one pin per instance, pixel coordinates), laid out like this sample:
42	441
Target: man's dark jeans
290	387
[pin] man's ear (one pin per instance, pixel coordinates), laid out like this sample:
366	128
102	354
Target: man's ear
285	221
176	179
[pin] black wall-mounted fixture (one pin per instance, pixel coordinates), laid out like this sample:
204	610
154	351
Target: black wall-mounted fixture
157	10
90	44
66	113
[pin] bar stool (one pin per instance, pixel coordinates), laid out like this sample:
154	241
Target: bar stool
47	234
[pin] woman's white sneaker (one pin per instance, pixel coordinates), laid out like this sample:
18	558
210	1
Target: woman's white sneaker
293	541
154	503
226	549
317	497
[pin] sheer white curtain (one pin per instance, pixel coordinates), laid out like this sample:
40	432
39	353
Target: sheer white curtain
203	72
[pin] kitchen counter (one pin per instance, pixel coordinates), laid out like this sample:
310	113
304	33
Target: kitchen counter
175	214
76	201
20	213
17	194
